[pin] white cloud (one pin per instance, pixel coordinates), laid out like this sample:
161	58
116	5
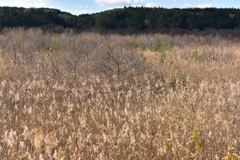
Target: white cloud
150	4
25	3
204	5
178	0
81	10
114	3
79	6
78	12
187	5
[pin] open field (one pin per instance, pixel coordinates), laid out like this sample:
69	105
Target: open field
92	96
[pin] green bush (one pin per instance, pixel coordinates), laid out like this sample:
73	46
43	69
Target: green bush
195	54
132	44
159	47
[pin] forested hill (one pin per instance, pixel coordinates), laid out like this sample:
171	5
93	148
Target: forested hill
140	18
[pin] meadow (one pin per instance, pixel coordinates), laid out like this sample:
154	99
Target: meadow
81	96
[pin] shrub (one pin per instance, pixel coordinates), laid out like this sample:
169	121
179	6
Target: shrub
159	47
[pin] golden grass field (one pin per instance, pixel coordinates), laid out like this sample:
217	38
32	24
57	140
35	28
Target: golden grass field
90	96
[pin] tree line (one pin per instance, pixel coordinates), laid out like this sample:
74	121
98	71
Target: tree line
140	18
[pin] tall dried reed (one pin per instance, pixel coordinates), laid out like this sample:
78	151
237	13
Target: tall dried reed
56	104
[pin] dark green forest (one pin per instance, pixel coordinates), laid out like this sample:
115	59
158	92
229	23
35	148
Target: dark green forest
140	18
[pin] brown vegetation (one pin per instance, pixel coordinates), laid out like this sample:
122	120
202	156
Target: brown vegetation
92	96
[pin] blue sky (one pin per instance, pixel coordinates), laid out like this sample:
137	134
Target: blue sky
93	6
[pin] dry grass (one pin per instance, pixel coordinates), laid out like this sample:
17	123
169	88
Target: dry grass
56	104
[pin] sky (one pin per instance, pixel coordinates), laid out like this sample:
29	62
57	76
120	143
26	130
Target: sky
77	7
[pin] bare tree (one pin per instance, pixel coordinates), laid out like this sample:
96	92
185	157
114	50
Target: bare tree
116	60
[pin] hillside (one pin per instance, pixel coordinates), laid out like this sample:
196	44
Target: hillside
139	18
